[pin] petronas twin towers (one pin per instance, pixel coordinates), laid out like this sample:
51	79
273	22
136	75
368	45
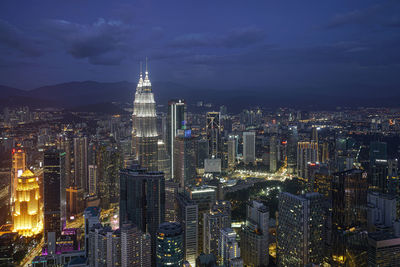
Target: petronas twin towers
144	125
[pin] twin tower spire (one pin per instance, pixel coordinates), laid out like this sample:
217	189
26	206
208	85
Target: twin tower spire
143	84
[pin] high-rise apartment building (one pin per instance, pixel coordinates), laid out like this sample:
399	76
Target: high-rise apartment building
135	246
302	229
249	147
254	235
217	218
92	187
273	157
144	125
307	152
228	248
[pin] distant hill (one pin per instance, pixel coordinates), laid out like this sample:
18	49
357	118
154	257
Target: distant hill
92	95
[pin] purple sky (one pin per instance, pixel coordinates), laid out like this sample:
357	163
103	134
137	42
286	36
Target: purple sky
348	47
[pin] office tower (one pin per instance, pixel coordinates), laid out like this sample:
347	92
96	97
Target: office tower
116	248
144	125
349	204
213	129
228	248
204	197
232	150
254	235
306	153
314	134
272	154
142	192
322	182
81	163
66	145
184	159
215	220
54	196
92	179
135	246
176	121
381	211
28	217
249	147
171	194
18	167
170	244
384	248
202	152
302	229
91	216
164	163
292	149
188	213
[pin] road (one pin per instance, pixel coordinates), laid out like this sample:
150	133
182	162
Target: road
36	251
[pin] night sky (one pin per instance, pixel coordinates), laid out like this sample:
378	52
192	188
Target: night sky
334	47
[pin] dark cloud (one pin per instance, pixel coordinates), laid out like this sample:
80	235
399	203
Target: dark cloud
100	42
236	38
383	14
15	39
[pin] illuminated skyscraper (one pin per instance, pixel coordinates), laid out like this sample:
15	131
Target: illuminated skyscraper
28	216
144	125
213	129
18	167
228	248
176	121
272	154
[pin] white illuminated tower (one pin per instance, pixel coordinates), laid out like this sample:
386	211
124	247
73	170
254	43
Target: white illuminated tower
144	125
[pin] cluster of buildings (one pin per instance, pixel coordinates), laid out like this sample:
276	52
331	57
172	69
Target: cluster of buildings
149	188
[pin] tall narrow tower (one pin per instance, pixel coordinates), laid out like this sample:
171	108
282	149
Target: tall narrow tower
144	125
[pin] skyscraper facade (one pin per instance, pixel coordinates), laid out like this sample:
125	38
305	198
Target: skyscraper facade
142	201
307	152
249	147
54	196
188	214
213	128
81	162
18	167
273	157
176	121
215	220
170	245
184	159
28	217
302	229
135	246
228	247
254	235
144	125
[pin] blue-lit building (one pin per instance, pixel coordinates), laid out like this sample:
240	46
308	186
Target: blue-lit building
169	244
